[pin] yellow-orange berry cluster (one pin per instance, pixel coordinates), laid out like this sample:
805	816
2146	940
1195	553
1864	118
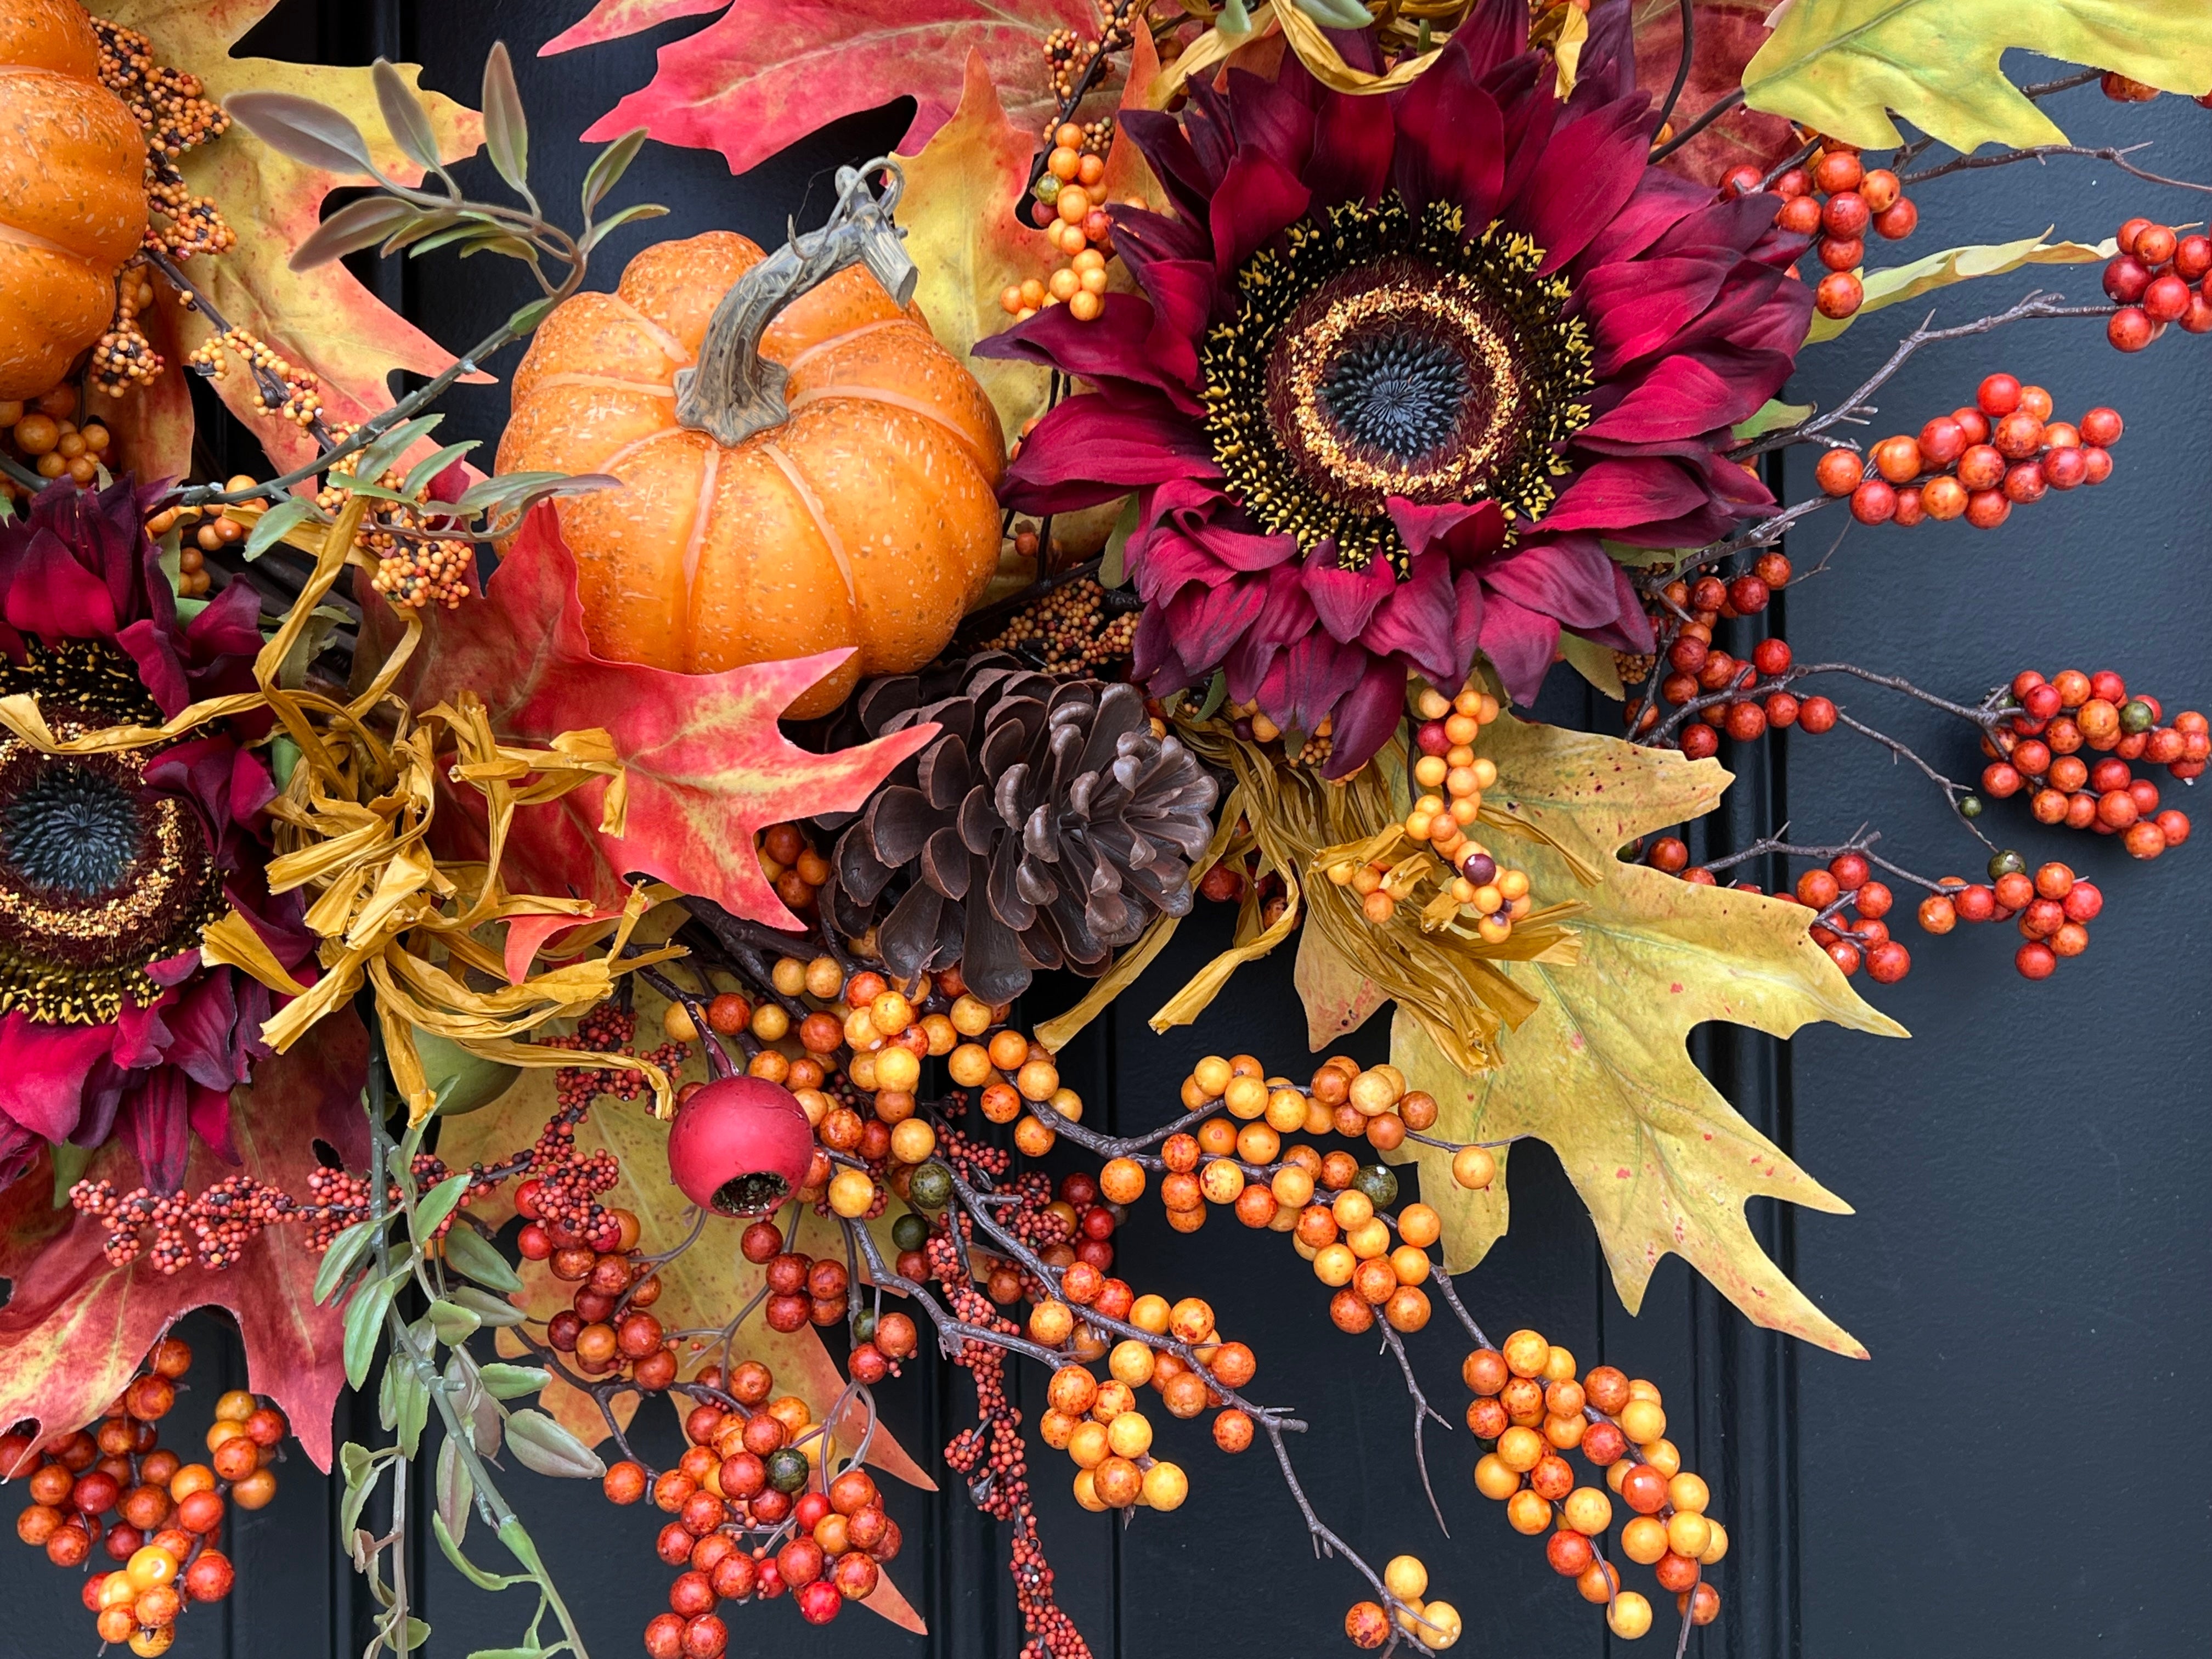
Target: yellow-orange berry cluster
1527	1402
124	359
1073	190
1097	1423
172	109
302	399
46	439
1435	1623
1472	883
413	570
203	530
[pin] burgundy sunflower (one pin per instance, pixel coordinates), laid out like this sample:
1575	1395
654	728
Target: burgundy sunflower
1399	364
112	865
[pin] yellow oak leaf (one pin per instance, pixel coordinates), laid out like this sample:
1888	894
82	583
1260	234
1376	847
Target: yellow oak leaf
1601	1070
322	320
1842	66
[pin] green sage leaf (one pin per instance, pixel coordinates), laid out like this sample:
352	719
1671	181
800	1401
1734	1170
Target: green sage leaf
507	135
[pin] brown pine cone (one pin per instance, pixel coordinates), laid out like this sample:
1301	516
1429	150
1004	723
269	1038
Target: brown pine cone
1044	828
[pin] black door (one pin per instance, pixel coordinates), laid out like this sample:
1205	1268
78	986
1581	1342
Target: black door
2016	1472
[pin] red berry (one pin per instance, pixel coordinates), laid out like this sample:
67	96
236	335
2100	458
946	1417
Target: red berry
1839	295
1888	962
1741	181
1987	508
1897	220
2099	462
2035	960
1770	656
1998	394
1846	214
1838	471
2166	299
2026	482
2126	277
2174	826
1781	709
1874	501
2156	245
2065	469
1842	253
1749	595
1816	715
2130	329
1838	170
1943	441
1700	741
2101	426
1800	216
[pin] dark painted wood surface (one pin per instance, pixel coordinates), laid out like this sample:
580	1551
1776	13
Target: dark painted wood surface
2012	1473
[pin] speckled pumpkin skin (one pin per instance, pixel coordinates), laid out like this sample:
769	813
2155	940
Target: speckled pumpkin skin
868	518
72	192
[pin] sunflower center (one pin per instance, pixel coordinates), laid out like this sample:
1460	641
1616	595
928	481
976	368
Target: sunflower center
100	875
72	831
1379	354
1398	393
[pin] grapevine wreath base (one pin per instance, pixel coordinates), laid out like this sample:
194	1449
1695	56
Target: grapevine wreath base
541	942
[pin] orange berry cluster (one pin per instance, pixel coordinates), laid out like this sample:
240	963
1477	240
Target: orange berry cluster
173	110
412	570
301	401
1836	199
46	439
2158	276
1070	630
1530	1407
204	530
1975	462
1097	1423
123	359
788	859
755	1514
2037	752
156	1516
1067	55
1070	205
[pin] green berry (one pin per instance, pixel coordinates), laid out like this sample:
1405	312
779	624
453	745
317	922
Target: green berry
1379	1184
931	1186
909	1231
787	1469
2136	716
2006	863
1970	806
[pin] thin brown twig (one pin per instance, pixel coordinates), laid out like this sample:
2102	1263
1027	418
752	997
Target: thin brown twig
2117	154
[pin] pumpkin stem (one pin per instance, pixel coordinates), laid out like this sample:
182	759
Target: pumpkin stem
734	392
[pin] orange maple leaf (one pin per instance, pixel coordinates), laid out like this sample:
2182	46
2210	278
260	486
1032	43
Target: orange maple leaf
75	1327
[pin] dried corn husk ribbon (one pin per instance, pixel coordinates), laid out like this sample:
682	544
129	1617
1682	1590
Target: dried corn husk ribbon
353	831
1214	49
1439	974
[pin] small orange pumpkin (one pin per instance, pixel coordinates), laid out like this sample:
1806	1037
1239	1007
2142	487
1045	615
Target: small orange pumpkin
72	192
865	516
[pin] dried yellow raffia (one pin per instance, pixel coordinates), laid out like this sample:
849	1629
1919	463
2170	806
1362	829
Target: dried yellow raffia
1436	970
352	827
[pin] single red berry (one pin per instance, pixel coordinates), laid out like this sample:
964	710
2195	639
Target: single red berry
2102	426
1874	501
2035	960
1816	715
2167	300
1898	221
1998	395
1770	656
1741	181
1839	295
1838	471
2126	277
1888	962
2131	329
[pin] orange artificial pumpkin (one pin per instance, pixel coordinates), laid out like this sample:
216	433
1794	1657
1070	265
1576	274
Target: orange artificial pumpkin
72	192
866	517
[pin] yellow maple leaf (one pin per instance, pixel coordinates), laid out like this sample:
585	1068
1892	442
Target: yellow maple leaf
960	210
1601	1070
322	320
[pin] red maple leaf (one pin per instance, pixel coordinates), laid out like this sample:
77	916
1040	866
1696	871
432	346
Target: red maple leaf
76	1327
1725	34
765	74
706	767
